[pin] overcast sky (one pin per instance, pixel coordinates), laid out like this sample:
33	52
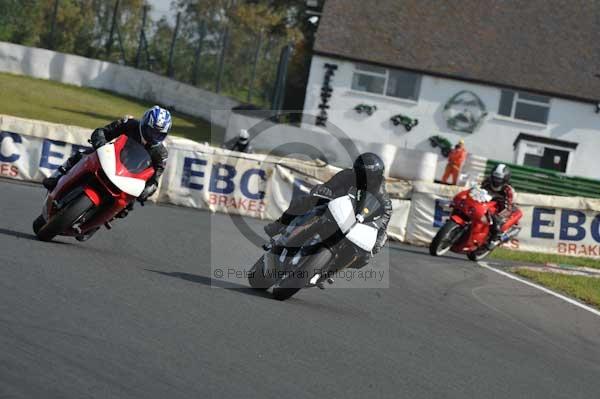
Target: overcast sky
160	8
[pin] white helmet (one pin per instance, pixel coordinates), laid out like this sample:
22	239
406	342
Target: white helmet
244	136
500	176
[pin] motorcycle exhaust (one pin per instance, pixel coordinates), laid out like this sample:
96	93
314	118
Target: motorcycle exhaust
510	234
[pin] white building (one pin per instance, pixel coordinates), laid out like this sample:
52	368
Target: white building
528	98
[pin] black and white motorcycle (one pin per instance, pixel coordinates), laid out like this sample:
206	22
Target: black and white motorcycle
328	238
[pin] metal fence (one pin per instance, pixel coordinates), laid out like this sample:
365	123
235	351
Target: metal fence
216	55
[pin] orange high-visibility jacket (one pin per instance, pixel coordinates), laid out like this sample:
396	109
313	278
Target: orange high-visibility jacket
457	156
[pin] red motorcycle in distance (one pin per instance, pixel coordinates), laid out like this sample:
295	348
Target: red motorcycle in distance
468	228
100	186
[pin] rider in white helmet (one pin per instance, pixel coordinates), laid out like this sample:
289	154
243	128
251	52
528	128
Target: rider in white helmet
498	186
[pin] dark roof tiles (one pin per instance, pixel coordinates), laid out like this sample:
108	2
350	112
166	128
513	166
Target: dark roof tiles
548	46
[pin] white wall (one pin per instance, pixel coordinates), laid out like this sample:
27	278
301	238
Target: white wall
86	72
568	120
313	143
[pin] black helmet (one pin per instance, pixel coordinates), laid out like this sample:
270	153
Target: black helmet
369	169
500	176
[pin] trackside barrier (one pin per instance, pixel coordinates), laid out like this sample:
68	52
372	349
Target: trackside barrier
204	177
86	72
544	181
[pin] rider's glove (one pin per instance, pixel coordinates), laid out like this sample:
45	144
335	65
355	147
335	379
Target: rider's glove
98	139
322	190
376	249
148	191
381	240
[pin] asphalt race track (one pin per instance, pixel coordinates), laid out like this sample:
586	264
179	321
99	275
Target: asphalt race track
132	314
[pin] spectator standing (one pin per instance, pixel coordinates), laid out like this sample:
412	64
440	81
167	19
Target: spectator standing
456	158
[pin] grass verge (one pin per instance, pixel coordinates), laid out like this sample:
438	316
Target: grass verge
534	257
50	101
586	289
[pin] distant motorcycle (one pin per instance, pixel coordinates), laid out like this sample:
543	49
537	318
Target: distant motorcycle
468	228
99	187
326	239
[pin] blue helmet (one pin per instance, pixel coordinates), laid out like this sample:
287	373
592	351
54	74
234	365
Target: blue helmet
155	124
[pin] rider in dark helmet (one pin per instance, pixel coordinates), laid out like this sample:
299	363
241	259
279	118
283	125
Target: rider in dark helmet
367	174
498	186
150	131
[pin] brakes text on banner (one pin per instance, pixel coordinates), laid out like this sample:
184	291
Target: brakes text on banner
567	231
220	183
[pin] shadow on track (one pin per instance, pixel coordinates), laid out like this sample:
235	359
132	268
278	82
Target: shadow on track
18	234
452	257
204	280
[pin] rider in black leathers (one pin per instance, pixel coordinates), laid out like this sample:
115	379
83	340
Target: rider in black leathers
366	175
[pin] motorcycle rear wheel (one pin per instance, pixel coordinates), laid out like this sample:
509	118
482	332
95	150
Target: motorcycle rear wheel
64	219
444	239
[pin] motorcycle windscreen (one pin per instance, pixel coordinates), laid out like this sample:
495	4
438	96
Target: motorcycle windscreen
108	161
134	157
363	236
342	210
368	205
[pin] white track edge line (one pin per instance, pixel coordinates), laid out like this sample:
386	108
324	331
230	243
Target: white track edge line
539	287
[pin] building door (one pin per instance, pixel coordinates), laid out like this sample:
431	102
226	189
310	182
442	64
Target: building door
555	159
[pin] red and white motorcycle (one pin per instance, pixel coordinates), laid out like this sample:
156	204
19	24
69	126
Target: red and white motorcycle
99	187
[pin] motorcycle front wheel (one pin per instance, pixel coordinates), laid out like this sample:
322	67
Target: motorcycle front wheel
300	278
445	238
63	219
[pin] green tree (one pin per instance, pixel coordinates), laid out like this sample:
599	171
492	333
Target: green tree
20	21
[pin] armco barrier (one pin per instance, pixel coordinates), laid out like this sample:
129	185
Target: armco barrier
86	72
201	176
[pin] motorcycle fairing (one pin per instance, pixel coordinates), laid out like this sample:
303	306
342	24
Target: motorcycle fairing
363	236
114	170
342	210
458	219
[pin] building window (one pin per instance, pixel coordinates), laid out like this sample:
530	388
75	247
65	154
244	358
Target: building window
524	106
386	82
544	152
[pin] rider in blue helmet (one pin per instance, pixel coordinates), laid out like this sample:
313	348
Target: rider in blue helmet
150	131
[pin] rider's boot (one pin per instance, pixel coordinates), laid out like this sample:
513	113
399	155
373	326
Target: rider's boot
85	237
321	282
125	211
50	182
495	233
274	228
